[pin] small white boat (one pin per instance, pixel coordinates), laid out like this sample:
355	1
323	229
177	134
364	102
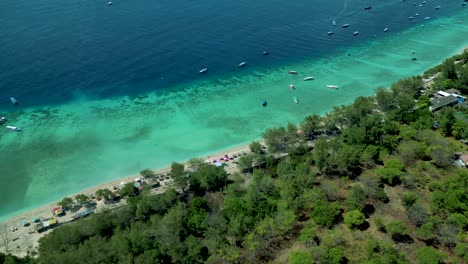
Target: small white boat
13	100
203	70
437	7
292	87
330	33
13	128
266	53
309	78
416	15
242	64
411	18
423	2
345	25
385	30
109	3
355	33
426	18
332	86
292	72
296	100
3	120
334	22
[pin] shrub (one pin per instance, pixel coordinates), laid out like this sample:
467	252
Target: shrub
409	198
298	257
325	213
428	255
396	227
354	219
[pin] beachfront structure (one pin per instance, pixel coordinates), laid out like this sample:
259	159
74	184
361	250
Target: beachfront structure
440	103
58	211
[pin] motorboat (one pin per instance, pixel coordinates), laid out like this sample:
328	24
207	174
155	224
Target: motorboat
309	78
292	87
109	3
416	14
266	53
242	64
345	25
385	30
330	33
368	8
355	33
411	18
437	7
426	18
13	128
292	72
203	70
296	100
264	103
423	2
334	22
3	120
13	100
332	86
414	59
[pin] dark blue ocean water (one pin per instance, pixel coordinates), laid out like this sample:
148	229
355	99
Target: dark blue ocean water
53	51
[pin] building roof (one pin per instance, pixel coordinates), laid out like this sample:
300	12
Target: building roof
464	158
442	93
444	101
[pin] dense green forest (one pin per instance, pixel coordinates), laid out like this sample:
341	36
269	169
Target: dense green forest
371	182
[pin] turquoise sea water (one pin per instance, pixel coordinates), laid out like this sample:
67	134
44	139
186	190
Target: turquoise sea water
84	141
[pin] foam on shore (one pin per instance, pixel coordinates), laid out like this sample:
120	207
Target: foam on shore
67	148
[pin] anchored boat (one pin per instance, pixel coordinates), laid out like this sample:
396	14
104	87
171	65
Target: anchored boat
13	128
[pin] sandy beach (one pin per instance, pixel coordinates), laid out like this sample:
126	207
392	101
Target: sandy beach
23	240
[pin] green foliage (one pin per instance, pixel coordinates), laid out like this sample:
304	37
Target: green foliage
428	255
103	194
128	190
460	129
298	257
148	173
66	203
394	164
389	176
356	198
409	198
256	147
380	224
396	227
82	199
383	252
333	256
311	126
308	236
426	231
451	198
448	70
354	219
462	250
181	178
321	154
325	213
